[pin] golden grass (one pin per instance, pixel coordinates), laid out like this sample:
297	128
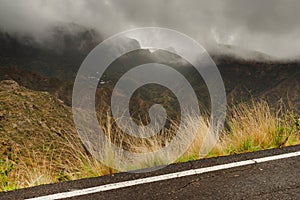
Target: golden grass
251	127
254	127
32	169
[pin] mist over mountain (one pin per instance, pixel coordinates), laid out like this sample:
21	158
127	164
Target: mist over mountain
58	55
52	66
255	45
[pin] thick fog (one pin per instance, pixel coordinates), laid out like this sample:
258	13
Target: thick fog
269	26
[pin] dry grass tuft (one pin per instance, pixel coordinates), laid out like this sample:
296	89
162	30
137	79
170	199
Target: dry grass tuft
256	126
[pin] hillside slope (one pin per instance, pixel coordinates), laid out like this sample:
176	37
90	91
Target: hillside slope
38	140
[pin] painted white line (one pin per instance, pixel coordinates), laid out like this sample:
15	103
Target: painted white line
277	157
152	179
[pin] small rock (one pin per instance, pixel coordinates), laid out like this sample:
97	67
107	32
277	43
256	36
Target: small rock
1	116
42	124
14	125
9	85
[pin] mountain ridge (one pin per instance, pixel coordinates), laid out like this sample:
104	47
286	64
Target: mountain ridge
45	69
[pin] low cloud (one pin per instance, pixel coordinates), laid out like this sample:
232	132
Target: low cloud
272	27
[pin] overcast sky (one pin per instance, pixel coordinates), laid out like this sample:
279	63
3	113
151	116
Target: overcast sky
270	26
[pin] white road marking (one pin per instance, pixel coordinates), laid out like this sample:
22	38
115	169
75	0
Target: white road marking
152	179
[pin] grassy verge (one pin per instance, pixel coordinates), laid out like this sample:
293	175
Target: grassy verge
255	126
251	127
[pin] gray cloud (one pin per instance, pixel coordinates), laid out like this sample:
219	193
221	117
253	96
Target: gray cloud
272	27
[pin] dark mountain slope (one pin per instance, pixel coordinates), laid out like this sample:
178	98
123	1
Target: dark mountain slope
53	67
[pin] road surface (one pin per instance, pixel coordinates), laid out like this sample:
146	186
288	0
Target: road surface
269	174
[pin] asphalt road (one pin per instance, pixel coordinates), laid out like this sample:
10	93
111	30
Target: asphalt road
263	178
